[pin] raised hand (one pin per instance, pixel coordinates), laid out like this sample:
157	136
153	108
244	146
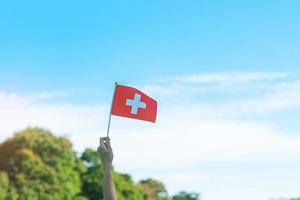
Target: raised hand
105	150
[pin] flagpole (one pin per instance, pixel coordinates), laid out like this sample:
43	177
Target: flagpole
112	101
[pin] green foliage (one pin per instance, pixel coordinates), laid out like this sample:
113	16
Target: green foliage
186	196
92	178
125	187
41	166
4	185
153	189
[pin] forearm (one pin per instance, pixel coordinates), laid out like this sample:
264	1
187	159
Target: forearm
109	187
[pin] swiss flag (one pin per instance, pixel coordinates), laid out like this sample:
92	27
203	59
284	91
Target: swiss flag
132	103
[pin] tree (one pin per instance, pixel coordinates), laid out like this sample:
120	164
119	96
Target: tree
92	178
4	185
126	188
39	165
6	192
186	196
153	189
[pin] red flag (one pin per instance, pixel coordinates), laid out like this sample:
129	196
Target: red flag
132	103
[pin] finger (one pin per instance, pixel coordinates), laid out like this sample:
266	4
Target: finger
101	149
107	142
102	145
108	145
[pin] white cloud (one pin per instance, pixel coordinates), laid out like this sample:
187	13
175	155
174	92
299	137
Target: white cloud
18	112
220	83
188	138
227	186
251	93
232	77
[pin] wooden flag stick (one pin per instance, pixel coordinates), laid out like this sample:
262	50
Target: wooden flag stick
112	101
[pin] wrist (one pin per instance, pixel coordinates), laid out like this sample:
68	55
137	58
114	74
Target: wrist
107	164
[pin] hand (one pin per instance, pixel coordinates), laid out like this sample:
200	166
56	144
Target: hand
105	150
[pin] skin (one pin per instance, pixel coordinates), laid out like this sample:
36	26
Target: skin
106	155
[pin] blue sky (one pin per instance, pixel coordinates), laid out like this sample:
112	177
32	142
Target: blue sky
225	74
96	43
